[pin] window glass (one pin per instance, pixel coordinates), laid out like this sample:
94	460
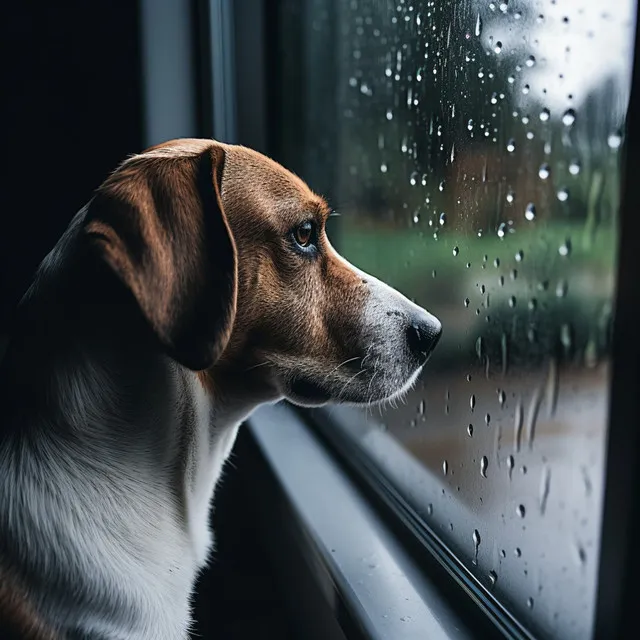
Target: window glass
474	151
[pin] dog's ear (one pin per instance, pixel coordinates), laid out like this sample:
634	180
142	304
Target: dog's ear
159	223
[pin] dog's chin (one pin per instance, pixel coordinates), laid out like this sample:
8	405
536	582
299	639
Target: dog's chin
305	392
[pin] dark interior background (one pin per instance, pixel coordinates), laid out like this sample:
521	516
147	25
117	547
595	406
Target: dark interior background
73	105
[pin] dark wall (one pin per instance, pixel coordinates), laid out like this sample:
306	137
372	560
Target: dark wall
72	111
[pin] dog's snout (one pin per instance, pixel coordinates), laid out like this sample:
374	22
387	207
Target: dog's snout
423	334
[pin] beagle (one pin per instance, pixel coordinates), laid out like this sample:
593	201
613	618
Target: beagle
196	284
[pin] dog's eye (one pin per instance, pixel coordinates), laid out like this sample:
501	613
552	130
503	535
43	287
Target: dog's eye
304	234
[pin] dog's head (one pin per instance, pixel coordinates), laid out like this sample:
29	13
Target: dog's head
226	254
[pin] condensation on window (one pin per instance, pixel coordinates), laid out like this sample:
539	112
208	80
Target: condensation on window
478	171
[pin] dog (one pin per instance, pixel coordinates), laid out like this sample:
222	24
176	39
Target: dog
197	284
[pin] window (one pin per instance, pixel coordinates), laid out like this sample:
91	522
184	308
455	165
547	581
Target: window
474	149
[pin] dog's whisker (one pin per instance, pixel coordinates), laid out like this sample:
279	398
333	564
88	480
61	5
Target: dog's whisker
261	364
340	365
349	381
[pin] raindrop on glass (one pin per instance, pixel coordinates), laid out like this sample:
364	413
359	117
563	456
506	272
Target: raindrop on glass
510	197
614	140
530	603
445	467
498	47
466	302
470	125
530	61
472	402
563	194
544	171
470	430
517	552
519	256
484	463
478	29
511	145
530	211
493	578
568	117
502	230
520	510
455	251
574	167
389	114
443	219
545	114
565	248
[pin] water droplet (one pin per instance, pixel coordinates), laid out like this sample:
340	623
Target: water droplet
441	186
545	114
512	301
466	302
519	256
519	421
510	196
429	509
574	167
470	430
389	114
566	336
472	401
455	251
498	47
579	553
504	348
545	484
383	168
478	28
503	553
517	552
511	145
565	248
421	407
443	219
614	140
476	543
563	194
530	211
487	419
502	230
493	578
532	415
511	79
530	61
470	125
445	467
551	391
568	117
413	179
521	511
479	348
484	463
561	289
502	397
544	171
530	603
525	89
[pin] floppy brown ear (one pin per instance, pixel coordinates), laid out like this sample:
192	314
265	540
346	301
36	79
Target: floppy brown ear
159	223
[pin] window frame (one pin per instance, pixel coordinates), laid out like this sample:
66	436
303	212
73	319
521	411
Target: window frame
236	93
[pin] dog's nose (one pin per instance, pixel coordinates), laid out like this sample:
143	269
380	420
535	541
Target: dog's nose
423	334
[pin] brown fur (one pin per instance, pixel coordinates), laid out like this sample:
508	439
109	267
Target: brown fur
18	617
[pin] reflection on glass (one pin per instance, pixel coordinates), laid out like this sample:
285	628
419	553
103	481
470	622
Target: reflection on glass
478	171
